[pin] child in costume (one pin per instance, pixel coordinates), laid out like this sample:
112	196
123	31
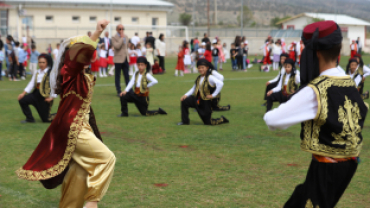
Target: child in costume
71	152
141	82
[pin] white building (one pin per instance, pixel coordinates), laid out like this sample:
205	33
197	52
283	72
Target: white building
65	18
351	27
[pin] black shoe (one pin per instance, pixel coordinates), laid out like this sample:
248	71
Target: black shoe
224	120
161	111
264	104
229	107
366	95
122	115
182	123
27	121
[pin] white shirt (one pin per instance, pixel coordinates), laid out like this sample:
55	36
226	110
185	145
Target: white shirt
160	46
213	81
139	53
301	107
277	50
358	79
111	52
103	53
218	75
151	79
55	53
282	71
135	40
279	86
40	75
352	47
24	39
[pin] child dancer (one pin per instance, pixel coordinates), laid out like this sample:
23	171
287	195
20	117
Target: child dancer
292	51
156	68
226	52
95	64
221	54
133	57
75	154
194	59
357	74
331	114
215	54
103	61
110	61
266	54
288	84
149	55
233	53
208	53
353	48
180	62
141	83
276	51
200	96
187	58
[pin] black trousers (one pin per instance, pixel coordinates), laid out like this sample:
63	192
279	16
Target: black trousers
240	61
216	106
204	109
38	101
276	96
270	87
161	62
21	70
141	103
118	68
13	71
325	184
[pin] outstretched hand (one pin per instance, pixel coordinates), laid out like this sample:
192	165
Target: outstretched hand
102	24
183	97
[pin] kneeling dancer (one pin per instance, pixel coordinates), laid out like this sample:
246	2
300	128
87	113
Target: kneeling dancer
71	151
332	114
287	85
142	80
200	96
37	92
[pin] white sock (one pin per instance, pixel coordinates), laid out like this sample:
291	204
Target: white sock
100	71
181	73
176	72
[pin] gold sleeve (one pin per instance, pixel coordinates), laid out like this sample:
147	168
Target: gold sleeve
84	39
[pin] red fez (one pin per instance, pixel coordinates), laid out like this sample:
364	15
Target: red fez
325	28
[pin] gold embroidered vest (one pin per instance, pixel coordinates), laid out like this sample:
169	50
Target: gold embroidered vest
203	89
336	130
291	87
143	83
44	84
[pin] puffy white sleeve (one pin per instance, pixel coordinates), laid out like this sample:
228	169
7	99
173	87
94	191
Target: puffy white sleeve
130	84
153	81
301	107
218	75
215	82
31	84
191	91
366	71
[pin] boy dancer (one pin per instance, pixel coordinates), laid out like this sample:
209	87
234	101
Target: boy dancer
206	88
288	84
142	81
357	74
37	92
332	114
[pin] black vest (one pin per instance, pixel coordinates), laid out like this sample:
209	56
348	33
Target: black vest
204	89
44	84
291	87
359	72
336	130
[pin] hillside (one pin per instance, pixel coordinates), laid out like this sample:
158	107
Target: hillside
264	10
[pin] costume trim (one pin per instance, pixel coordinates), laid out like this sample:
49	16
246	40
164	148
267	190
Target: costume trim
74	131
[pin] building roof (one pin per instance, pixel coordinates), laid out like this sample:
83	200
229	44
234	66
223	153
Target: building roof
157	4
340	19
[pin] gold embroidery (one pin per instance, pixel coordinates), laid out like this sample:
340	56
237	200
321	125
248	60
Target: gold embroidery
205	85
311	129
349	116
310	205
73	133
291	86
143	84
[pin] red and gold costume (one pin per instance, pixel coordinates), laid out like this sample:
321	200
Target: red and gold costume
72	140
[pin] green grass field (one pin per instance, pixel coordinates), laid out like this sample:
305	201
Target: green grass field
240	164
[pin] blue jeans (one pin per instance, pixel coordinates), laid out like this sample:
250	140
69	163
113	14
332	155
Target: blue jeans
215	62
244	62
234	63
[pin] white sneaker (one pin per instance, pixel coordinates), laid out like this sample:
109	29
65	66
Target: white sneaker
23	78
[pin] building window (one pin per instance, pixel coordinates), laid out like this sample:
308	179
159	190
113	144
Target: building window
3	22
93	19
76	19
117	19
290	27
135	20
49	18
154	21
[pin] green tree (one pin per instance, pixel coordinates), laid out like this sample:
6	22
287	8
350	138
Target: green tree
247	16
275	20
185	18
317	20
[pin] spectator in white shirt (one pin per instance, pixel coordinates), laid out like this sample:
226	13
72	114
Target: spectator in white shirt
161	50
135	40
56	52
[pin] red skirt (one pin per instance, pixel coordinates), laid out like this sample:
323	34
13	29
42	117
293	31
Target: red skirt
353	53
133	60
103	62
267	59
110	60
292	55
95	66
